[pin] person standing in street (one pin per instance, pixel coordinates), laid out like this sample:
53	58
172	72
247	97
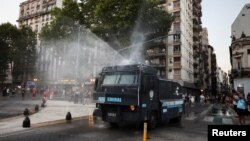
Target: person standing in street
235	100
187	104
242	109
33	92
23	93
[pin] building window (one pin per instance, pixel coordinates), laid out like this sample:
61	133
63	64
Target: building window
238	60
177	59
176	4
177	71
176	48
170	60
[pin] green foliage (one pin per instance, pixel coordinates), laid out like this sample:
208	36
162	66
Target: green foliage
8	37
17	47
112	20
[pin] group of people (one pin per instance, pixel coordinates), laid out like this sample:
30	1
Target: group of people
7	91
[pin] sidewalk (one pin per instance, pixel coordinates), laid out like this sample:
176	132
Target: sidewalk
54	112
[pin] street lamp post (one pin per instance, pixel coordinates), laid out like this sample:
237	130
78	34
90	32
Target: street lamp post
77	53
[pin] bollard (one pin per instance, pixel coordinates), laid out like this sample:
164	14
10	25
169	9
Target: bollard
36	108
26	122
26	112
91	119
68	117
42	105
145	131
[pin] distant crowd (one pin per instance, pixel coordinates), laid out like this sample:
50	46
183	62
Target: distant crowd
236	100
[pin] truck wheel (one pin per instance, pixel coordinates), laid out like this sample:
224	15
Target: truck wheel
177	119
97	113
152	122
113	125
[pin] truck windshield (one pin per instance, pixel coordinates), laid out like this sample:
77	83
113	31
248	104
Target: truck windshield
120	79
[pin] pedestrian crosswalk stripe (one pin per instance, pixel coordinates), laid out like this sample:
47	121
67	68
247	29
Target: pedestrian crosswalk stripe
208	119
218	120
227	121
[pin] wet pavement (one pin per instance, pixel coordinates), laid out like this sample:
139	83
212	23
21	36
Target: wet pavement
221	114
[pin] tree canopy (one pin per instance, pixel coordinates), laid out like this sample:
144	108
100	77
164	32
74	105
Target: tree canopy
17	50
112	20
115	20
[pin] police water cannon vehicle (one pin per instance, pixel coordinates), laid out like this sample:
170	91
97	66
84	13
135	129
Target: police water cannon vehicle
135	94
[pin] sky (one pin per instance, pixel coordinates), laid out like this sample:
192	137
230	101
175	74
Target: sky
217	17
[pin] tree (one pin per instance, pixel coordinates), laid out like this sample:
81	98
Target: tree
17	51
115	21
4	55
8	38
24	55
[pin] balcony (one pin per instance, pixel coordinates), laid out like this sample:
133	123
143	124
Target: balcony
177	77
161	65
195	20
156	42
177	65
177	19
196	36
196	27
196	66
22	18
176	6
195	46
241	73
200	14
177	54
196	71
156	54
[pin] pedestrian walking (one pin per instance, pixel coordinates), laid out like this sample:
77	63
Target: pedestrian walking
34	92
4	91
235	100
23	93
13	91
187	104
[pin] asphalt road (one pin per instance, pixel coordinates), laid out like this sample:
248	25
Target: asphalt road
191	129
85	131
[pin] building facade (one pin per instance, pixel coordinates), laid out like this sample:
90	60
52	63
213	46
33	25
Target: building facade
204	65
199	47
36	13
174	58
240	51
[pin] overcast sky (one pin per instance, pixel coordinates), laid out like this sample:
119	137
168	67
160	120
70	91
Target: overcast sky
217	17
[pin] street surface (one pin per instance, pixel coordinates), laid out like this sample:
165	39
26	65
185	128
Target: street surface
83	130
14	105
192	128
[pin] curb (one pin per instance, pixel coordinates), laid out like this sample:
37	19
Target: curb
55	122
18	115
